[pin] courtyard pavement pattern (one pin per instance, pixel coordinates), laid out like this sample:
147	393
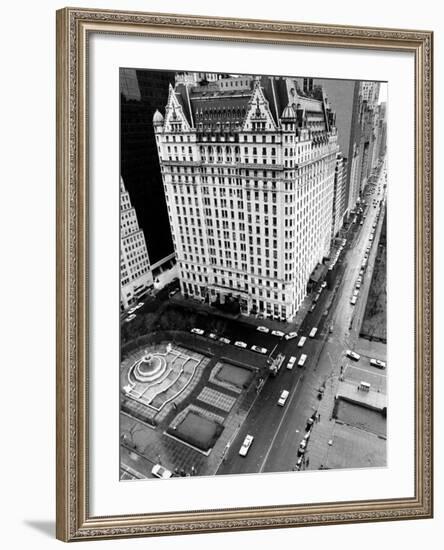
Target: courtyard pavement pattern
159	416
143	446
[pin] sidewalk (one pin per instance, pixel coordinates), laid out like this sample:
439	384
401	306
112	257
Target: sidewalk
323	429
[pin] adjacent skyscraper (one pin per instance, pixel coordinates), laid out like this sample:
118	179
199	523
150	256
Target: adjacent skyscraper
248	166
141	93
135	272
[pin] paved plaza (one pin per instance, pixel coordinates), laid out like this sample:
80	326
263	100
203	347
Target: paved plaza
152	432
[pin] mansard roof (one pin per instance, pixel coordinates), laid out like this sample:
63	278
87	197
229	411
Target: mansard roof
210	105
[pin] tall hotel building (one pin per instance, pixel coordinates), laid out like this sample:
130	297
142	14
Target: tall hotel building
248	166
135	271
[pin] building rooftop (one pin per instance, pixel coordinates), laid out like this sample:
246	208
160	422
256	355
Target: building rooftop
216	103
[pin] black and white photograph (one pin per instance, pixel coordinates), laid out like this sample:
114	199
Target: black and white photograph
253	293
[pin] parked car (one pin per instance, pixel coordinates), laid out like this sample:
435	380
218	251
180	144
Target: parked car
358	285
132	310
198	331
212	336
324	284
353	355
291	362
378	363
139	305
291	335
353	300
246	445
240	344
259	349
130	318
313	307
302	360
224	340
283	398
161	472
302	341
263	329
313	332
277	333
301	449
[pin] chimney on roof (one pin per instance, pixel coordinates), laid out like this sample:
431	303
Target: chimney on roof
308	86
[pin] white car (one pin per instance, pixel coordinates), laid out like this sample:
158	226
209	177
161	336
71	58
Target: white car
263	329
139	305
283	398
259	349
358	285
277	333
246	445
130	318
240	344
161	472
291	362
353	300
302	341
132	310
313	332
378	363
198	331
212	336
291	335
353	355
224	340
324	284
302	360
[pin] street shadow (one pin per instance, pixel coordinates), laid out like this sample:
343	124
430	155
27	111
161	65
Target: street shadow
47	527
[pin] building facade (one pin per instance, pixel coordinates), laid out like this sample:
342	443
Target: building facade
135	271
248	166
361	160
339	203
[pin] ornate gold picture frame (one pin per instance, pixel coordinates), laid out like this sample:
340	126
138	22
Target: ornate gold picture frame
74	518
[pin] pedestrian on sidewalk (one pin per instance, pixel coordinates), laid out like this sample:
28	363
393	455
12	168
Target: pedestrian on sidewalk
307	462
